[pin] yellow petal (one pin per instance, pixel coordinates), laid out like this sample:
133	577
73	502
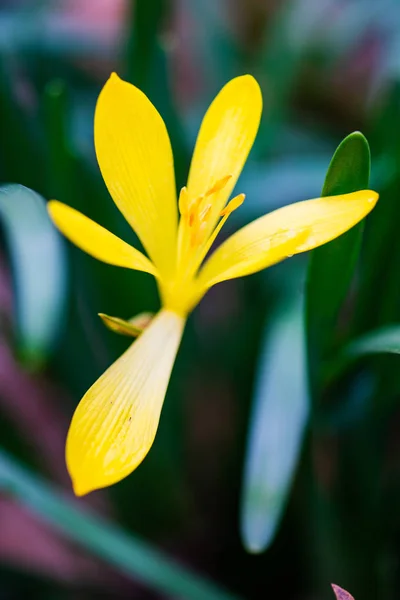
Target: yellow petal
284	232
135	158
225	139
132	328
116	421
95	240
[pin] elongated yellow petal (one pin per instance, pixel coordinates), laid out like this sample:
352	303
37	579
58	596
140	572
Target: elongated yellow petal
284	232
225	139
135	158
132	328
95	240
116	421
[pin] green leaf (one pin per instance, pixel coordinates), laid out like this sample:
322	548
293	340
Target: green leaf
381	341
147	19
331	266
279	417
127	553
385	340
38	268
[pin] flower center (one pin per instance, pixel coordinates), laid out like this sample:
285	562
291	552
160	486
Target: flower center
199	225
195	237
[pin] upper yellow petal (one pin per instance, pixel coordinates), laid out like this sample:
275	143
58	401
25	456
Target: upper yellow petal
115	423
95	240
225	139
135	158
284	232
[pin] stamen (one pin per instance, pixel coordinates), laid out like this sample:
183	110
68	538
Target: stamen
219	185
193	209
183	201
233	205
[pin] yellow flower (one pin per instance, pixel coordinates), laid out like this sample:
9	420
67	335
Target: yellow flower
116	421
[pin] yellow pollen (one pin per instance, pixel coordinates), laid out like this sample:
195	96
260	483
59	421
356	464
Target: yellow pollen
233	205
219	185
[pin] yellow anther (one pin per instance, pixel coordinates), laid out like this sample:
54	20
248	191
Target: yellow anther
183	201
219	185
233	205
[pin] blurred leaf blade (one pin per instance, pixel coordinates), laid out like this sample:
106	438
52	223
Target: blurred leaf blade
331	267
147	18
39	270
279	416
129	554
385	340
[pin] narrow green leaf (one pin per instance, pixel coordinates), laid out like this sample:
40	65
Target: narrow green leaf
279	416
385	340
127	553
147	19
331	267
60	163
38	268
380	341
21	150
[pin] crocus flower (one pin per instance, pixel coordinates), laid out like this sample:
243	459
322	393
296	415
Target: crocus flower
116	421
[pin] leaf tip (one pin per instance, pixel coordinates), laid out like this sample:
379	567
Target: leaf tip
340	593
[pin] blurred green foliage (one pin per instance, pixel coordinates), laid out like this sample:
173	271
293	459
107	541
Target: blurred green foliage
326	504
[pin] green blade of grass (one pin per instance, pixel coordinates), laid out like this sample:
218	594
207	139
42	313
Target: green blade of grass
127	553
331	266
385	340
277	426
38	268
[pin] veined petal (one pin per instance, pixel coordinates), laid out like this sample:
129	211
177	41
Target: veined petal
225	139
284	232
116	421
95	240
135	158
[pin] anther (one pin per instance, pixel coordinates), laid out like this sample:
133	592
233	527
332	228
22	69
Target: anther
233	205
219	185
183	201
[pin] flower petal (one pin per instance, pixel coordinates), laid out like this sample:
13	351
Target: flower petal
135	158
116	421
95	240
225	139
132	328
284	232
